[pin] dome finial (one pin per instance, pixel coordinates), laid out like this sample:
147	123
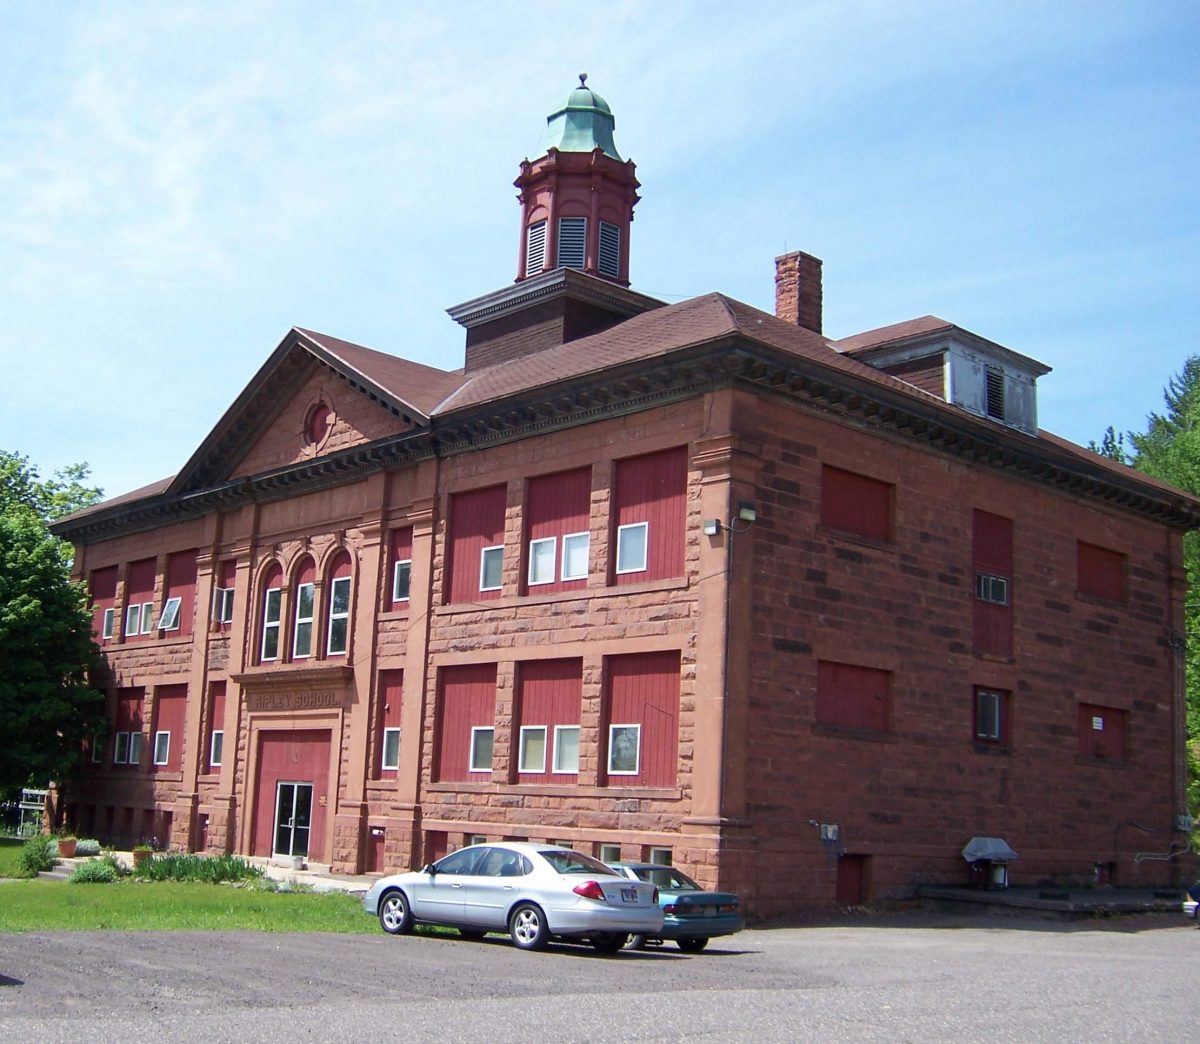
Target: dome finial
583	79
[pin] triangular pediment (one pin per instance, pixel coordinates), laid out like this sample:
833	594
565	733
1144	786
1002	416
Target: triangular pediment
315	396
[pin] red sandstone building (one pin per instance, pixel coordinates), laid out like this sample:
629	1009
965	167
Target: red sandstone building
682	581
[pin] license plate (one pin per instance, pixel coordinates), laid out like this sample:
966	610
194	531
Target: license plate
710	911
629	895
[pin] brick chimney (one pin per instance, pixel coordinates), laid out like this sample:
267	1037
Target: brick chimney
798	289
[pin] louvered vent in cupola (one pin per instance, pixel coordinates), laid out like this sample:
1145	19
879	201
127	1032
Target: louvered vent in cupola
610	250
995	393
572	239
535	248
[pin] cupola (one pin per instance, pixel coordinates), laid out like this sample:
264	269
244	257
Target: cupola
577	198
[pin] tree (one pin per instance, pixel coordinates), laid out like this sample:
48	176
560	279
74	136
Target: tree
46	644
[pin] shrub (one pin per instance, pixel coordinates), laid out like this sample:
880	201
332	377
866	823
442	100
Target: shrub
94	871
87	847
178	866
37	854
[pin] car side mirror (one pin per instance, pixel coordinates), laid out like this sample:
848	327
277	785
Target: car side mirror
429	869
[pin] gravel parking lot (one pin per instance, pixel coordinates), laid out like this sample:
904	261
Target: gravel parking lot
904	978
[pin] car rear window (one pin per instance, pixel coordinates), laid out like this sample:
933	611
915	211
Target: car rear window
566	862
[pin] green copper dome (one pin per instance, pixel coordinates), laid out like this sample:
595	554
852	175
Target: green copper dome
584	122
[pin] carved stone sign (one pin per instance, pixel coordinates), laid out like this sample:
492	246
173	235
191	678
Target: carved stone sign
303	700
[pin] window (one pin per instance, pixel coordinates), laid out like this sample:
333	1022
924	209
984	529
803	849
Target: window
127	745
339	615
481	748
106	629
610	250
271	623
992	557
401	580
566	749
610	853
121	749
533	749
993	589
991	717
852	697
632	541
102	585
169	620
216	748
391	749
624	750
662	856
856	504
162	747
542	560
491	568
535	248
139	619
139	598
572	242
1102	732
216	723
649	515
306	595
575	556
1100	572
223	605
97	750
135	748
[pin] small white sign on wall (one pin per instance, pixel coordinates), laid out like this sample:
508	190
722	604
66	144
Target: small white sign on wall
1097	724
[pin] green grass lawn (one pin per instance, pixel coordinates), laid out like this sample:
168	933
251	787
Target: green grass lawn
27	906
10	851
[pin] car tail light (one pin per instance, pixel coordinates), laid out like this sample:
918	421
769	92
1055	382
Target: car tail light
669	909
590	890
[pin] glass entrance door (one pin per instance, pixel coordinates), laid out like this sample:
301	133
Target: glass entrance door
293	817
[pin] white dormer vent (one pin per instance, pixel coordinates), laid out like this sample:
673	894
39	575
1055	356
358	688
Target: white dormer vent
610	250
535	248
572	240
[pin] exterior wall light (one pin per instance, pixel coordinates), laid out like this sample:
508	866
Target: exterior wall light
746	512
712	526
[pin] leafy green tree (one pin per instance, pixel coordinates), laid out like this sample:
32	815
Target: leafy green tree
46	644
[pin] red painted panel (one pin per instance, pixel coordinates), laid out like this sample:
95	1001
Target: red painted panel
849	696
1101	572
103	589
467	699
391	703
170	705
992	627
1101	732
856	504
399	550
342	566
139	581
306	574
643	689
851	879
476	522
181	583
300	756
556	505
129	709
653	489
992	552
227	573
549	692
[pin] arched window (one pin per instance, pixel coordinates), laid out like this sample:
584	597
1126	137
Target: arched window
339	606
306	599
272	588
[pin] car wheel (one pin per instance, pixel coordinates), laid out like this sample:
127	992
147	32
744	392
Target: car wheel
527	926
636	942
474	934
608	943
692	944
395	917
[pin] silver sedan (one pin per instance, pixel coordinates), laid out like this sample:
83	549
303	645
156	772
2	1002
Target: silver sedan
532	892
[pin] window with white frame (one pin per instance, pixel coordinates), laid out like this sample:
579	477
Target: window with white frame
162	747
139	618
575	556
272	607
222	605
566	749
106	628
491	568
481	748
339	615
216	748
662	856
624	750
135	748
610	853
991	588
306	596
533	749
541	560
121	749
391	749
168	620
632	541
401	580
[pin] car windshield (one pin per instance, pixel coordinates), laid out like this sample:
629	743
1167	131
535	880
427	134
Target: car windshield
567	862
667	878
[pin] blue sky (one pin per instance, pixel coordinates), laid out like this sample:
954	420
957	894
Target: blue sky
180	183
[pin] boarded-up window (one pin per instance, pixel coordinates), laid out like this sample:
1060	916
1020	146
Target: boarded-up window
853	697
170	706
549	694
649	517
139	599
476	531
1102	732
103	588
216	725
466	707
391	694
642	720
992	613
1100	572
181	584
856	504
557	520
399	590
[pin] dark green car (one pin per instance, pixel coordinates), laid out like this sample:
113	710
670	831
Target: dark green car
691	916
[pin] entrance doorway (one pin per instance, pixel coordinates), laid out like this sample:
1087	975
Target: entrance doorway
293	818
